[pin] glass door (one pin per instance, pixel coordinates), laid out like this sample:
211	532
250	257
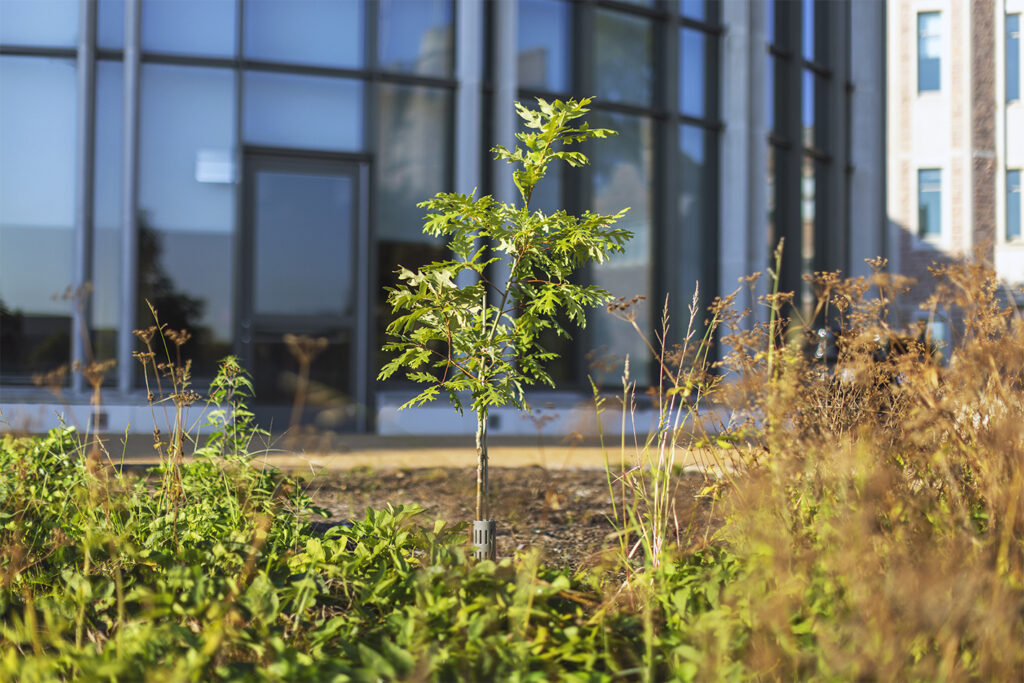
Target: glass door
302	307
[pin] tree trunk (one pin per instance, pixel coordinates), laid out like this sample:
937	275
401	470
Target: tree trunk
483	492
484	529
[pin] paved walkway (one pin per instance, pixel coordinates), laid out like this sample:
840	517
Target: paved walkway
343	452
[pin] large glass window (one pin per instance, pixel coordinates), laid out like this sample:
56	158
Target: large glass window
1013	203
190	27
39	23
413	163
304	230
810	179
315	33
37	187
544	54
187	205
929	51
622	47
413	146
107	205
309	112
693	205
623	69
1012	57
808	32
929	202
815	111
807	100
695	9
621	176
110	24
416	36
692	67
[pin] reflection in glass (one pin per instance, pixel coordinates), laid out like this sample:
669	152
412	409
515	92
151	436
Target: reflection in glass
692	217
106	266
315	33
807	27
692	67
37	185
187	205
413	142
929	51
929	202
39	23
544	54
190	27
620	177
416	36
413	139
276	376
110	24
808	202
311	112
414	132
303	244
623	69
695	9
807	103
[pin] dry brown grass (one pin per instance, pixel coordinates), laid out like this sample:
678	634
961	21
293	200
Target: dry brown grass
880	513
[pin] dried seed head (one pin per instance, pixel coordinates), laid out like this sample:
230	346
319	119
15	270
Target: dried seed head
305	348
178	337
54	379
143	356
145	335
95	372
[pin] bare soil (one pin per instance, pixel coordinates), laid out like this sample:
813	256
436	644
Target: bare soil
565	514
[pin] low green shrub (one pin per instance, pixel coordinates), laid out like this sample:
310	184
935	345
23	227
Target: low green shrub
101	581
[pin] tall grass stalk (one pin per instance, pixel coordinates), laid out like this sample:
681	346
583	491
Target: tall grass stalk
644	507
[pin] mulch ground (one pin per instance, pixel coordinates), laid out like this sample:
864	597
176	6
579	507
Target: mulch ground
564	514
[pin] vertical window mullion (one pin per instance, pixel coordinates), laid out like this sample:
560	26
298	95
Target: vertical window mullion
129	196
81	328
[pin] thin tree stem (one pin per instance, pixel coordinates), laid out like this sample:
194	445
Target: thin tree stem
483	492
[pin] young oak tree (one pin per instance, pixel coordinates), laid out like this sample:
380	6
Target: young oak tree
480	342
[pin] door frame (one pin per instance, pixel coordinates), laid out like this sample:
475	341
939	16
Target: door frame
254	159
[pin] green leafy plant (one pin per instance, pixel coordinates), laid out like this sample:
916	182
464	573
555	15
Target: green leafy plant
482	339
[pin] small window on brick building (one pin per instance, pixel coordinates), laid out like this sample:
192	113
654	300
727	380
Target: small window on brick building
1012	57
929	202
1013	205
929	51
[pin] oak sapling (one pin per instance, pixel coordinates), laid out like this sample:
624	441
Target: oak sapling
480	342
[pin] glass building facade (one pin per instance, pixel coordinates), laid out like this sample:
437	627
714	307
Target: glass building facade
251	168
